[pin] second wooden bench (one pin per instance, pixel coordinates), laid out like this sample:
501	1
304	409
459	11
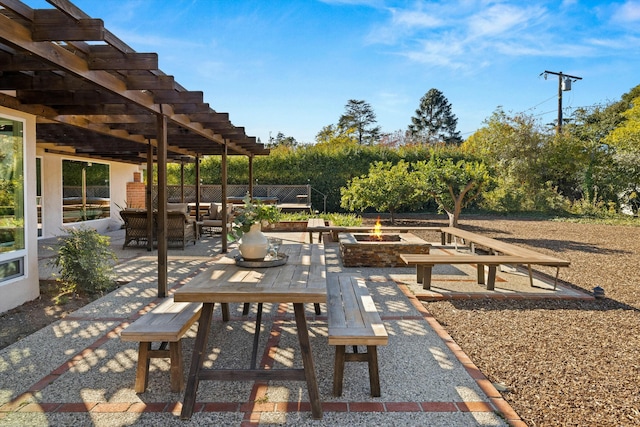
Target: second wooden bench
353	320
424	264
166	323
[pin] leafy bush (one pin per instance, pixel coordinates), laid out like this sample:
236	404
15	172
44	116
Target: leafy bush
85	261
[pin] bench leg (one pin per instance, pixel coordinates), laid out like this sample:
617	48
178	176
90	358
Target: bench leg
426	276
419	273
491	280
371	357
142	370
316	307
480	274
531	276
177	379
338	370
374	377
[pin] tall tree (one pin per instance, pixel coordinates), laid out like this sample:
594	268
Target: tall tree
434	122
360	117
281	141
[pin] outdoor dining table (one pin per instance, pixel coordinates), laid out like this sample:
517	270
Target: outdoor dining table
302	279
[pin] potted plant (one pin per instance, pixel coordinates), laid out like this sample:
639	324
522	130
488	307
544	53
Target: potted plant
247	227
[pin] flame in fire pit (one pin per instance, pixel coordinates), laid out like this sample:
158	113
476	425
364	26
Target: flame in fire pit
377	230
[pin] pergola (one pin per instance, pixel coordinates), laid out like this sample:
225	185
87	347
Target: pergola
95	97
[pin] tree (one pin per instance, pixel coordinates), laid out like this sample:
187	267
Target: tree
453	184
433	121
281	141
360	117
333	135
387	187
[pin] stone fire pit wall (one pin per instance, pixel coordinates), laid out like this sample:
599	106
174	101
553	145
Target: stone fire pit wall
356	253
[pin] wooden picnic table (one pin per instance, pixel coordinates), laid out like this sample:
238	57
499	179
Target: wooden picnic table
301	280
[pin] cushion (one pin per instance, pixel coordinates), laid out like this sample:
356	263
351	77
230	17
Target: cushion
214	211
179	207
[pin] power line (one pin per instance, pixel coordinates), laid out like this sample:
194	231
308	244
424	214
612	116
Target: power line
540	103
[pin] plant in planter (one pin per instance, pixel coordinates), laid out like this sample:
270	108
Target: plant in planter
247	227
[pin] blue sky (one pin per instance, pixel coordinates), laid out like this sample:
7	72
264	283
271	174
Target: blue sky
291	66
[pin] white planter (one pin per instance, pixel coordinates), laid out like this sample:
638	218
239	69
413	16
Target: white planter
254	245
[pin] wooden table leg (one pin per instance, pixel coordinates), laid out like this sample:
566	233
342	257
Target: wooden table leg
199	351
307	361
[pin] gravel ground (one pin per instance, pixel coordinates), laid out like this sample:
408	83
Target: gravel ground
562	362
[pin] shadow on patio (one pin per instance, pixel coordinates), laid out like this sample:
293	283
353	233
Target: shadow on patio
77	371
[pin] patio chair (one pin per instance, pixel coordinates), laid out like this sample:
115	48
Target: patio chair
212	222
135	223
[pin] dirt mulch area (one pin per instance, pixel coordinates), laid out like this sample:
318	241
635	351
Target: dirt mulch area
51	305
572	363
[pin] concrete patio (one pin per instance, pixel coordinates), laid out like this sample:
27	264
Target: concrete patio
77	371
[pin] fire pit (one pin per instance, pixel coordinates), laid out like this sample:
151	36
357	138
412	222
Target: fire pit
380	249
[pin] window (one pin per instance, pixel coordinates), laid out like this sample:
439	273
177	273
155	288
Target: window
85	191
12	232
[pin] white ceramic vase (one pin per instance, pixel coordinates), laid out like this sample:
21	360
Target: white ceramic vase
254	245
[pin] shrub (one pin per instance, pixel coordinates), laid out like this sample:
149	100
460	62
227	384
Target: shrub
85	261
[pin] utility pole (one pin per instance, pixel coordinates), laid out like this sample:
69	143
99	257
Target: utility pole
564	84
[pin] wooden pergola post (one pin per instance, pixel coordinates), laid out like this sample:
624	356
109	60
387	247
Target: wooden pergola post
251	176
149	194
197	168
225	219
162	205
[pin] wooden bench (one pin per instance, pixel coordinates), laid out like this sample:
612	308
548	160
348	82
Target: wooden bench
424	264
523	256
353	320
166	323
316	224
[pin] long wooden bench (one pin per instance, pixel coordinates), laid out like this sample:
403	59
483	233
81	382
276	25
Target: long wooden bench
425	262
508	253
353	320
166	323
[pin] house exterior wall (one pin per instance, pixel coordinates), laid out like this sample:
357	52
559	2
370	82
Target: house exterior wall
25	288
52	225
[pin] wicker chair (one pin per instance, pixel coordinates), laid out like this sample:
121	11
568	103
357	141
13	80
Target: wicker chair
181	228
135	223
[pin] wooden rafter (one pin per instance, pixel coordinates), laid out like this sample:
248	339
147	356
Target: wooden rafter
109	91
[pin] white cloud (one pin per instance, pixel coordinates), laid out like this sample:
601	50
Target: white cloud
414	19
628	12
470	34
502	18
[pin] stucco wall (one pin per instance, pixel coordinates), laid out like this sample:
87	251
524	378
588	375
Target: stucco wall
120	174
19	290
